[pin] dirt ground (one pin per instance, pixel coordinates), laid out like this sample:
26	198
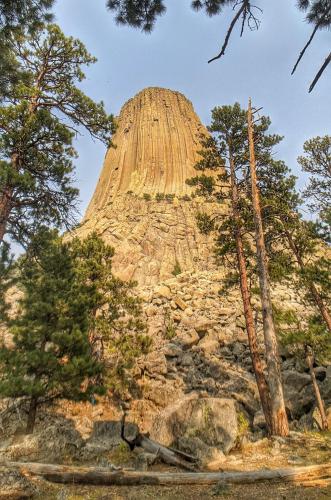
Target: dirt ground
265	491
299	450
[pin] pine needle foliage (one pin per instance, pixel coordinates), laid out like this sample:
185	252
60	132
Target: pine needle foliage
77	329
38	121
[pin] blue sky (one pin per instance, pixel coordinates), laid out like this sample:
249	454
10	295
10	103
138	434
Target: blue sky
175	56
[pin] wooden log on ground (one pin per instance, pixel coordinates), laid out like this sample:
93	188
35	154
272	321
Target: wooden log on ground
101	476
169	456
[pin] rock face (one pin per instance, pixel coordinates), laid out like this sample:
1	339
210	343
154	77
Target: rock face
156	146
142	205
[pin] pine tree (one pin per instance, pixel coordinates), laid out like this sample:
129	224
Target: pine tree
316	161
78	330
295	246
229	148
116	330
306	340
52	354
17	16
278	412
37	125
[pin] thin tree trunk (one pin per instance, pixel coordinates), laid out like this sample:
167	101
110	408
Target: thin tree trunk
319	400
278	411
5	207
6	199
246	299
313	290
31	415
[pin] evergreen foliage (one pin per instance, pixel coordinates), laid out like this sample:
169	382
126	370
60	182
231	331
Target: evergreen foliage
138	13
297	336
177	269
17	16
316	161
37	125
52	354
116	330
6	279
229	140
77	330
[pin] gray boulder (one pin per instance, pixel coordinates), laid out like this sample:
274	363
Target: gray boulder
212	420
295	380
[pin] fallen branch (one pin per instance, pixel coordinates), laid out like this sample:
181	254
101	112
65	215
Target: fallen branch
169	456
309	475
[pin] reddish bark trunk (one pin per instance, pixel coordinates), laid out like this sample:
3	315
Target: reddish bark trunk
5	207
319	400
246	299
278	411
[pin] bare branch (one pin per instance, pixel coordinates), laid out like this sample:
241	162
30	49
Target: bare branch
305	48
320	72
242	10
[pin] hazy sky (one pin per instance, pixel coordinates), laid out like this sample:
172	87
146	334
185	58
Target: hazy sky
175	56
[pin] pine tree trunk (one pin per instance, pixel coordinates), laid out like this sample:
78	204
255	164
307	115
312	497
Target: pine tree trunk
319	400
31	415
6	199
5	207
278	411
313	290
246	299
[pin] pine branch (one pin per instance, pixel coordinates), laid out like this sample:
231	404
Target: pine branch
320	72
305	48
242	10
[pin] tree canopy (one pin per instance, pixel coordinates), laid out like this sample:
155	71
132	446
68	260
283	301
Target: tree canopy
38	120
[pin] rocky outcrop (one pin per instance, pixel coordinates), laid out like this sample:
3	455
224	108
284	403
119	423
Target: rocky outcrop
156	146
142	205
197	382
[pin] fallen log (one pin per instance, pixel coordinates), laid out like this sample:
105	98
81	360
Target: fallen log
101	476
169	456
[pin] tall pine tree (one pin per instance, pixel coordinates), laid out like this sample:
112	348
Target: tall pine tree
37	124
229	147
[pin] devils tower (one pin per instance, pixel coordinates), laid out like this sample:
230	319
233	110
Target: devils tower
142	205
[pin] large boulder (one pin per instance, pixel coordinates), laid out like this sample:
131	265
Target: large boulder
50	443
212	420
106	436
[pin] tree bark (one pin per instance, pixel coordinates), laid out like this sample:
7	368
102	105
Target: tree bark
31	415
313	290
319	400
246	299
278	411
104	476
5	208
